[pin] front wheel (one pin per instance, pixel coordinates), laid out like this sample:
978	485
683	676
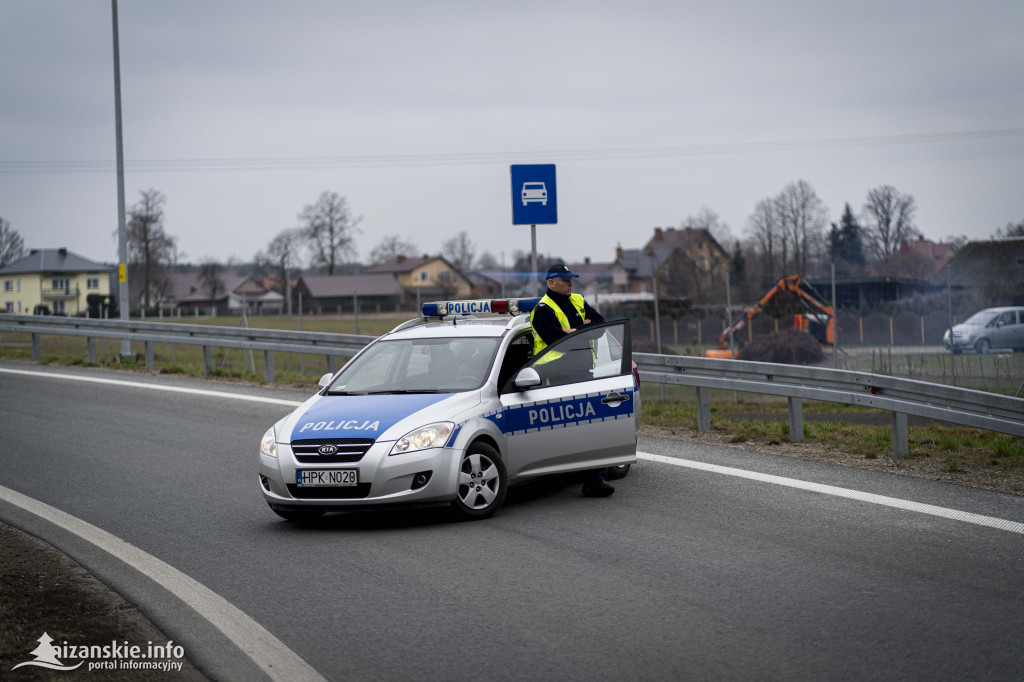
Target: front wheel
483	482
983	346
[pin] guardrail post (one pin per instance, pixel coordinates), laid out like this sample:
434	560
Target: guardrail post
796	420
149	356
900	444
90	343
703	408
331	364
37	349
268	365
207	360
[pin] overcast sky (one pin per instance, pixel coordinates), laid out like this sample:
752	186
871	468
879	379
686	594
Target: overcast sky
241	113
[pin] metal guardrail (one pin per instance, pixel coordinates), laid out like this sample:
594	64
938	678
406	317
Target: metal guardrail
268	340
902	397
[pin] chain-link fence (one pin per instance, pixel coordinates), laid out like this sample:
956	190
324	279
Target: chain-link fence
898	343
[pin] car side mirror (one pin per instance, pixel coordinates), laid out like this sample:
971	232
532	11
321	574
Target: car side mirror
325	380
527	379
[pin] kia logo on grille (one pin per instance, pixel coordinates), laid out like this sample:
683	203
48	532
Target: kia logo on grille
328	449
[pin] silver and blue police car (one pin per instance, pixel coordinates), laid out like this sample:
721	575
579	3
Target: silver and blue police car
453	408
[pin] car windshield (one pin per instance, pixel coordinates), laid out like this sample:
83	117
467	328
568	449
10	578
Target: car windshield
418	366
981	318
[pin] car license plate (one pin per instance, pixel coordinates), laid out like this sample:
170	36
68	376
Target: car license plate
305	478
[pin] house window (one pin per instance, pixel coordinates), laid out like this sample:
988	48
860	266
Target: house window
19	305
8	285
424	276
60	283
10	306
92	283
60	308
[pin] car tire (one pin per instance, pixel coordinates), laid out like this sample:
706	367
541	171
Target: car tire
482	482
983	346
299	515
621	471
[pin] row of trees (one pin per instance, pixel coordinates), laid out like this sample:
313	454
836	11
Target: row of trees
786	233
790	232
324	241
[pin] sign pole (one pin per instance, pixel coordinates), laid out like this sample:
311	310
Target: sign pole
533	260
122	232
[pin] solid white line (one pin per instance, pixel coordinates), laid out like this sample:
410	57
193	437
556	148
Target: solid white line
268	652
955	514
154	387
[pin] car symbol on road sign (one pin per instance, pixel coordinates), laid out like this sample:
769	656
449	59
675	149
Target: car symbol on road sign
535	191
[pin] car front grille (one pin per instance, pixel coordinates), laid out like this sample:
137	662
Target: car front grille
352	492
349	450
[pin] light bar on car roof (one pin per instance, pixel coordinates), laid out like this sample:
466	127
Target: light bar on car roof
512	306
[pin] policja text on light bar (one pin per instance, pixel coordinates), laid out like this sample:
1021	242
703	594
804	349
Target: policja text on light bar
512	306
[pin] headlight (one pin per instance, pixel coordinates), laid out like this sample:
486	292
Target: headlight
268	446
431	436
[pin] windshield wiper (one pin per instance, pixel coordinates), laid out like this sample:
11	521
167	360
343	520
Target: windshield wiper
398	391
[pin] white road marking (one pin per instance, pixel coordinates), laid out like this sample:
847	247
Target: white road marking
955	514
268	652
154	387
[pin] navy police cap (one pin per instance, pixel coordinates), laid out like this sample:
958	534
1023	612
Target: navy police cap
560	270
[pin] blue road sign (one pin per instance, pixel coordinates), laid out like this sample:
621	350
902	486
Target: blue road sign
534	199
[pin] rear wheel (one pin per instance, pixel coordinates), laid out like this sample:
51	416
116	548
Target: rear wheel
983	346
618	472
483	482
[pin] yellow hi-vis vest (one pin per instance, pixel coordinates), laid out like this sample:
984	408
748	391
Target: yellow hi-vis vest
538	343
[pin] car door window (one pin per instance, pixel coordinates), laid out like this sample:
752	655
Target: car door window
593	352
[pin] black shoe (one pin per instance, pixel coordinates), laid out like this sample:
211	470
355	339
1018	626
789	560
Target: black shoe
597	489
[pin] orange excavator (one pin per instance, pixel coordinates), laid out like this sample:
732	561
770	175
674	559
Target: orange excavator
818	320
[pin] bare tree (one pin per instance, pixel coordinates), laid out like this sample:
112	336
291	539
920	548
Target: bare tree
330	228
12	246
802	217
707	219
281	256
488	262
460	251
1011	230
150	248
390	248
888	220
210	272
768	240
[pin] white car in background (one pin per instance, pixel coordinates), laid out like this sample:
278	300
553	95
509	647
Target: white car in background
988	329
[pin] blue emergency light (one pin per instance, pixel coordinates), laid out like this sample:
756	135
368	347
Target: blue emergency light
512	306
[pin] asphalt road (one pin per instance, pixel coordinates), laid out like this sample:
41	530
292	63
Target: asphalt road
682	574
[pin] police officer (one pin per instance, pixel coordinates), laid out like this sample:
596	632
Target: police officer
558	313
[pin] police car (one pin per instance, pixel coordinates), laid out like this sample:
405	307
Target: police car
453	408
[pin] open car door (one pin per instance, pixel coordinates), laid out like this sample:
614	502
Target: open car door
572	406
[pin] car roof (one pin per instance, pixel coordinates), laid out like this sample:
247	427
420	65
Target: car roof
458	327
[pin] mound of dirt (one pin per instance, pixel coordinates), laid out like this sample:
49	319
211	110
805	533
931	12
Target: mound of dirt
786	347
651	347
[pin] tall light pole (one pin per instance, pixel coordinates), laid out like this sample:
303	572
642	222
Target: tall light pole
122	230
